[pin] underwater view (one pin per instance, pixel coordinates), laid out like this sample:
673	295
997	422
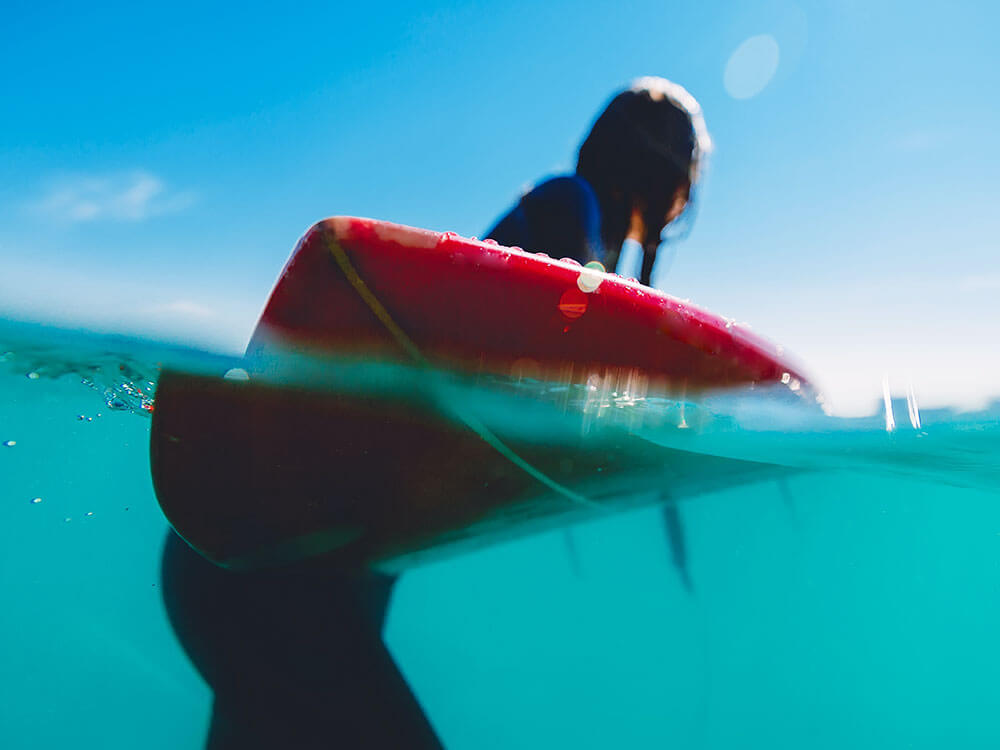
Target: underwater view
847	599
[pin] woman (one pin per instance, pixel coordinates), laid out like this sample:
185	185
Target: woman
635	175
294	655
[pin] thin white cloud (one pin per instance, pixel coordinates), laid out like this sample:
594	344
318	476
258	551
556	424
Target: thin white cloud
982	283
916	140
183	308
134	196
118	302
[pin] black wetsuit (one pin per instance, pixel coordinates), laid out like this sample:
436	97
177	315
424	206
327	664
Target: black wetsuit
560	217
294	655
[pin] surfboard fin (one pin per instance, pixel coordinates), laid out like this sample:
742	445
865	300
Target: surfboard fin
573	553
788	499
674	527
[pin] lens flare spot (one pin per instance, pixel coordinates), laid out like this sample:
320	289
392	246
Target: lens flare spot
751	67
590	277
573	303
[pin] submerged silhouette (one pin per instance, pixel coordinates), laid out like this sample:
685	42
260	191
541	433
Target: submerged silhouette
294	655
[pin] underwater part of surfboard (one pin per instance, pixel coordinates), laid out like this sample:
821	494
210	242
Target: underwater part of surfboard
304	457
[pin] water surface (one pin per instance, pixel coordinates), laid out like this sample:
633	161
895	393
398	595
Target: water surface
852	601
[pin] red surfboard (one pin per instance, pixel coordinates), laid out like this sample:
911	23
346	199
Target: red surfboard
297	460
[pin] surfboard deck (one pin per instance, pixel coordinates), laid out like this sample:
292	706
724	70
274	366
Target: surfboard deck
297	459
370	288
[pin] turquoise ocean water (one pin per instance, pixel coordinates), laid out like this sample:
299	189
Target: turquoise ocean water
852	603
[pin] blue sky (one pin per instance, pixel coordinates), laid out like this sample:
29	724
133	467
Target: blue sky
158	164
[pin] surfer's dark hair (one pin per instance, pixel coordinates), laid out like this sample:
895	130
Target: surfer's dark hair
649	142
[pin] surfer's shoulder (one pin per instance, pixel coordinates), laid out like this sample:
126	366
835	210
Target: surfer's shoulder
566	190
562	216
559	216
564	204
